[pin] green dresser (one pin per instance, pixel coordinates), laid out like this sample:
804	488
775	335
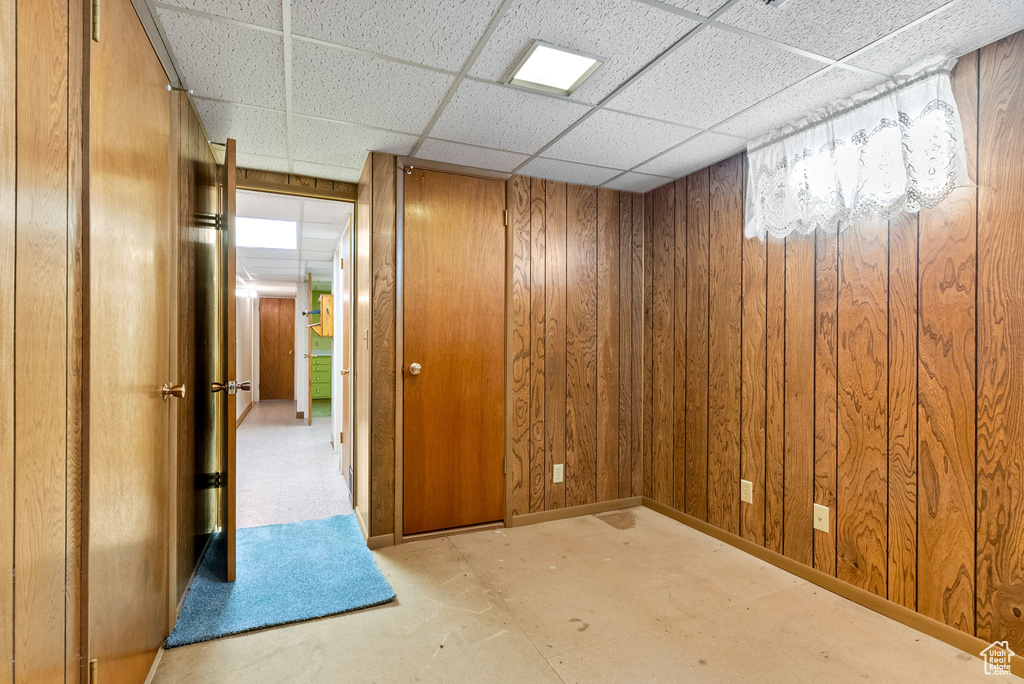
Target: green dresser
321	377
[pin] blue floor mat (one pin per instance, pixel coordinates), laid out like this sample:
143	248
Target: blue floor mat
285	573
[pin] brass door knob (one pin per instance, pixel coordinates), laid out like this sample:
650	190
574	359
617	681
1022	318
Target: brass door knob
415	368
169	390
344	371
218	387
245	385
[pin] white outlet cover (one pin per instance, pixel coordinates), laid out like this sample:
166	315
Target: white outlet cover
747	491
559	474
821	518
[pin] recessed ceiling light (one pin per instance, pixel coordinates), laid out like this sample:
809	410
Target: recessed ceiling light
266	233
553	69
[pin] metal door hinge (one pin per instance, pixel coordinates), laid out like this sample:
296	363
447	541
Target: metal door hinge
94	671
341	438
504	466
95	37
505	211
341	263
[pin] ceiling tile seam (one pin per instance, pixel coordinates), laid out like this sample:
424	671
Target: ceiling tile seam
492	26
672	9
658	59
286	22
214	17
167	44
374	55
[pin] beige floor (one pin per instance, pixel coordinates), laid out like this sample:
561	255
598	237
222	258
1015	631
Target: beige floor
623	597
287	470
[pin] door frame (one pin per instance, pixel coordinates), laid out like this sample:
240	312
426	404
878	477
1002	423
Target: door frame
441	167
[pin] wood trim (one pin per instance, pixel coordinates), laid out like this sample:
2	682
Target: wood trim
436	534
244	414
299	415
575	511
156	664
380	541
950	635
399	352
292	184
509	355
230	368
445	167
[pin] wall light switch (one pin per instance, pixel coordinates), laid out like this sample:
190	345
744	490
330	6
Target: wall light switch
821	517
747	491
559	474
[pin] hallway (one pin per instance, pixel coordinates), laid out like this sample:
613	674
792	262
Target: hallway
287	470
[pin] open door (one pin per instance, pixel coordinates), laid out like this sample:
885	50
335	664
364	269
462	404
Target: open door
309	351
343	327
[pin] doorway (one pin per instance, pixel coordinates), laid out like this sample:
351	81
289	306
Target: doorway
277	353
454	351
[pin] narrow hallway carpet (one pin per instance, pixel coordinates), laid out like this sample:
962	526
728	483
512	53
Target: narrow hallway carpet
285	573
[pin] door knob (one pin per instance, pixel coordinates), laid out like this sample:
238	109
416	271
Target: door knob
415	368
245	385
218	387
344	371
169	390
231	387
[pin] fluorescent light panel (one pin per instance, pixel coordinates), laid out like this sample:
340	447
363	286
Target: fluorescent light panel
265	233
554	69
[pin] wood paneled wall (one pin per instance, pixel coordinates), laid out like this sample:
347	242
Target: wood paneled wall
41	339
575	304
879	372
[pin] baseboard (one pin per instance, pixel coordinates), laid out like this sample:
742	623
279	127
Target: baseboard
575	511
380	541
244	414
967	643
155	665
299	415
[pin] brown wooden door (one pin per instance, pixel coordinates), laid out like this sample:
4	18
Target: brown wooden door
229	367
130	436
454	324
343	327
277	339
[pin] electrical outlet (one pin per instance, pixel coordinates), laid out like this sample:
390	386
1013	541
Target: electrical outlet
747	491
821	518
559	474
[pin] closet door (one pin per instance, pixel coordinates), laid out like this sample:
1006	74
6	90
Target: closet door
454	340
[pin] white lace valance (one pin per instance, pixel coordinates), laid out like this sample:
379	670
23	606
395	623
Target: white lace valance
896	148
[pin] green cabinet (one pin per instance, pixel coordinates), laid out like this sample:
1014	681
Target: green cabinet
321	377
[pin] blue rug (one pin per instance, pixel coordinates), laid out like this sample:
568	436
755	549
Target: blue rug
285	573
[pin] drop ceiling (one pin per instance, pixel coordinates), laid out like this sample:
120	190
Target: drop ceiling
310	86
320	225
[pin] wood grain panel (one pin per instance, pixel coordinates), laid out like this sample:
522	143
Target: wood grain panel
724	343
946	399
637	344
663	361
555	338
679	348
8	198
277	339
40	339
648	354
697	265
1000	475
520	328
607	344
538	325
581	345
798	532
862	440
775	439
826	349
383	346
903	342
625	343
754	359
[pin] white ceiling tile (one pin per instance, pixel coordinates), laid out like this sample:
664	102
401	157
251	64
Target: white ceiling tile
438	33
317	245
470	155
617	140
568	172
321	231
267	205
347	86
325	211
315	255
832	29
798	101
260	12
271	263
261	272
256	131
626	34
248	253
504	118
338	173
694	154
965	26
227	61
705	8
320	265
637	182
712	76
335	144
261	163
279	279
